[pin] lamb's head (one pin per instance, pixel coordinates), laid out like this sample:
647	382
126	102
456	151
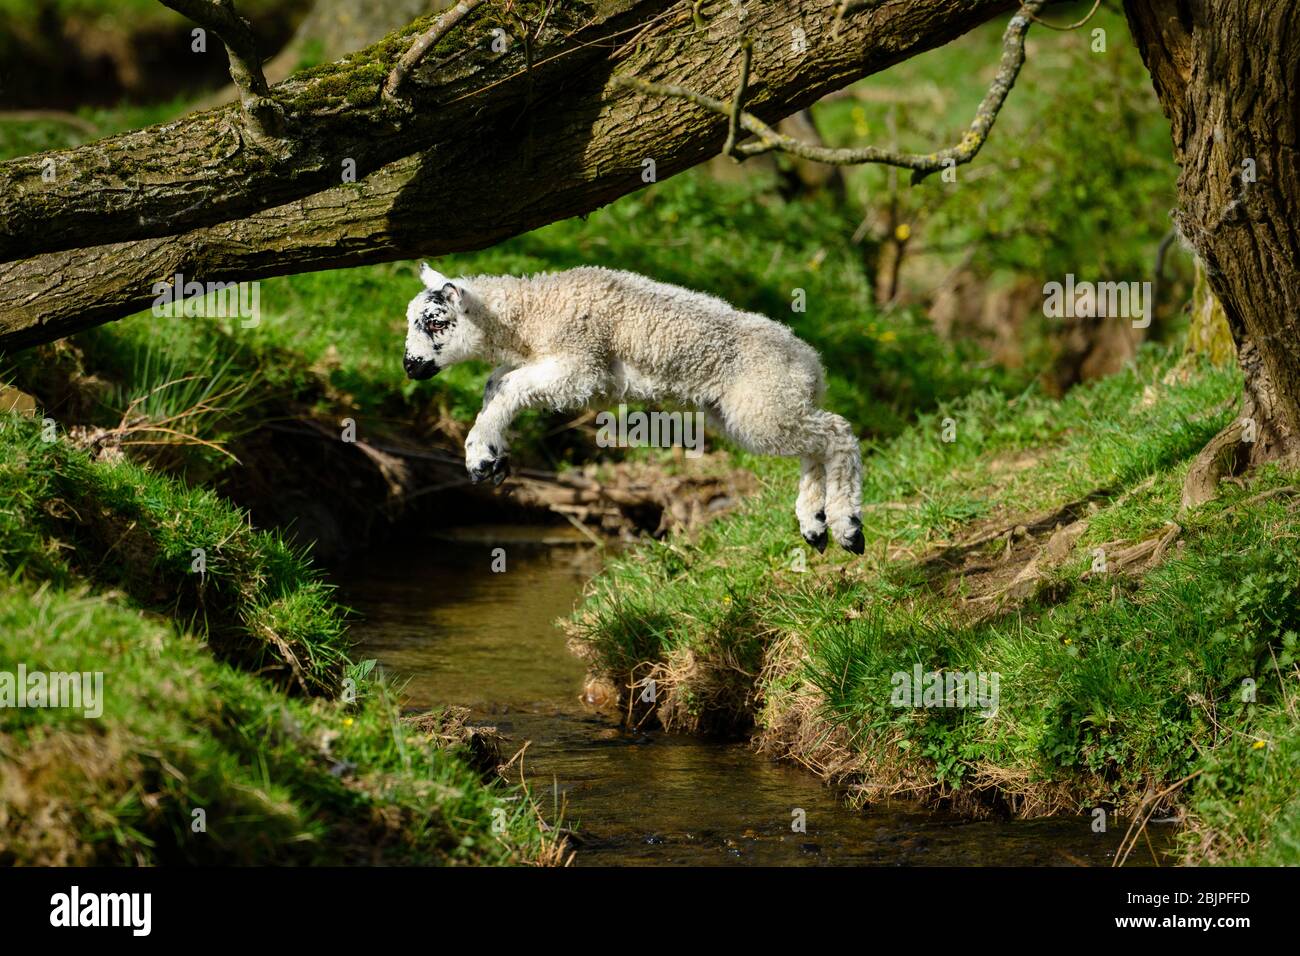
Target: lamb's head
438	330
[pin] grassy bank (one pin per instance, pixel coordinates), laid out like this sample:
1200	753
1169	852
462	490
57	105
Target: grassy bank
227	689
1042	544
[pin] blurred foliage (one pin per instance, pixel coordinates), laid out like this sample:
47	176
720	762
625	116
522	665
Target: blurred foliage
1076	177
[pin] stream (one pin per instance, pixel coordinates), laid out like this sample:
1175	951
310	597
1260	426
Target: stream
453	632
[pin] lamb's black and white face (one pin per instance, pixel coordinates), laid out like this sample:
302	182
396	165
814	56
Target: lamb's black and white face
437	332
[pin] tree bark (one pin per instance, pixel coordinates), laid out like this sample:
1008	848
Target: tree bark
214	166
498	172
1227	74
330	30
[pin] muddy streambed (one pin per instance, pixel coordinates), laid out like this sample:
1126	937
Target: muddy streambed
438	618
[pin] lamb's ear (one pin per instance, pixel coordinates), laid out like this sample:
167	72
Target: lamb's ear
451	293
433	279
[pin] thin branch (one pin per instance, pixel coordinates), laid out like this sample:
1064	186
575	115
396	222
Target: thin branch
1071	26
263	114
423	44
737	104
921	164
542	26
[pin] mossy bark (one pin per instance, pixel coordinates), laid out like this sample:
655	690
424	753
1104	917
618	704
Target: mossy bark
1208	334
217	165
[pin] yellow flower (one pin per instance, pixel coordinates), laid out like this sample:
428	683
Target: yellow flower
347	721
1259	745
903	232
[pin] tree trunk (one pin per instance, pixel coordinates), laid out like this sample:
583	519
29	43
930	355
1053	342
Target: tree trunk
1227	74
491	175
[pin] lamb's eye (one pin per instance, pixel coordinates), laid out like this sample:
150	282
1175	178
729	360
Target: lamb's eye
435	325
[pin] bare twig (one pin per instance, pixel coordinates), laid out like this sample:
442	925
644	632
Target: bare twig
423	44
1071	26
737	104
542	26
1146	810
921	164
263	114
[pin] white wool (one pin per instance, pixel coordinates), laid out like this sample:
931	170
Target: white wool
566	339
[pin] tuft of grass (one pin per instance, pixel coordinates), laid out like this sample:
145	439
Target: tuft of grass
194	762
177	415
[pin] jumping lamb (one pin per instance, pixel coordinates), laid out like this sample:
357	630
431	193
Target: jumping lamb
566	339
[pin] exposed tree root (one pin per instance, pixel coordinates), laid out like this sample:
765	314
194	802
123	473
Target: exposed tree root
1222	456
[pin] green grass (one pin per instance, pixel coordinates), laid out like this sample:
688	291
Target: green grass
194	762
179	550
1108	681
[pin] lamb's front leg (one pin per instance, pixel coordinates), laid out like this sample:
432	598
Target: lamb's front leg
551	381
494	382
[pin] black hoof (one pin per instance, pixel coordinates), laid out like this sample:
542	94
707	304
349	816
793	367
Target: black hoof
495	468
856	544
500	470
818	540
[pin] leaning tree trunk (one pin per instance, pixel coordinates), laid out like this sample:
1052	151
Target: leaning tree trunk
1226	73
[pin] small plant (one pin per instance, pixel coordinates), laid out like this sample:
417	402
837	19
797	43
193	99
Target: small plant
173	417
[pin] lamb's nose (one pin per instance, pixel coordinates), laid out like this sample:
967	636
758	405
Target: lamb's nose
418	368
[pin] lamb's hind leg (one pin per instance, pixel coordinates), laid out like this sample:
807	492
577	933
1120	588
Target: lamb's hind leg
777	421
843	480
810	506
